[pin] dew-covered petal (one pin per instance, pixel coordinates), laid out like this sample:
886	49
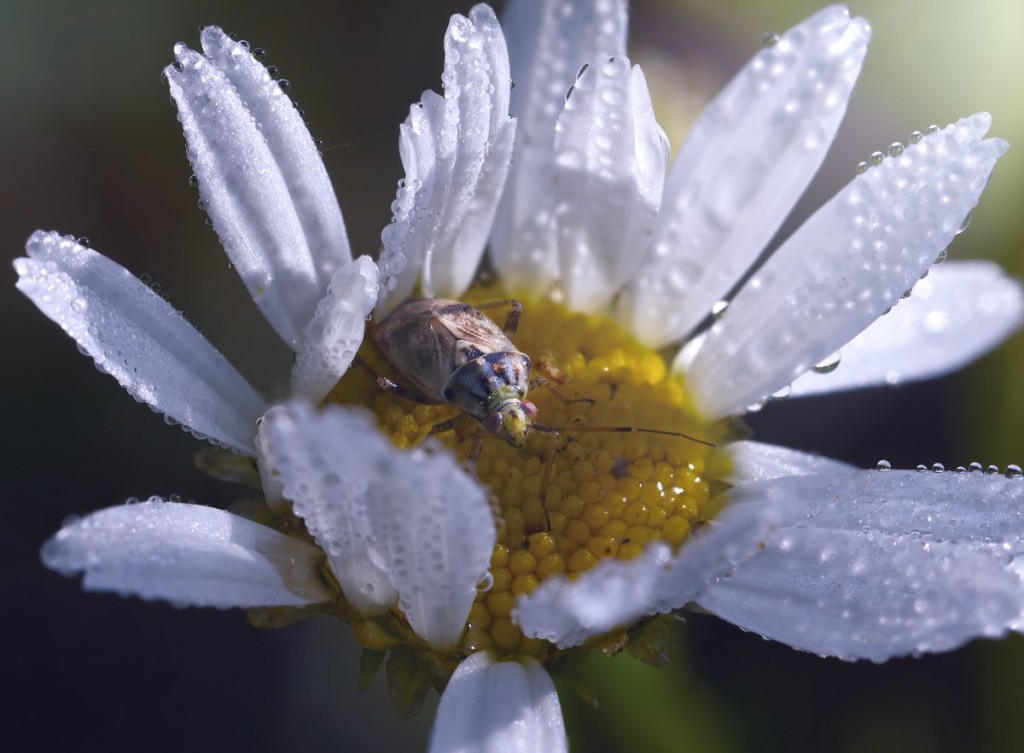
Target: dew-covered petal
141	340
757	461
336	330
187	554
325	465
750	156
871	565
244	187
495	706
293	148
436	533
456	153
548	40
617	592
410	523
844	267
956	314
610	157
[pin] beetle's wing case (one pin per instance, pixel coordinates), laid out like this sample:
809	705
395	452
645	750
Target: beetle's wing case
470	324
418	346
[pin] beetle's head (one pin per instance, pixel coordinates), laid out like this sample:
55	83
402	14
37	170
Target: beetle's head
512	421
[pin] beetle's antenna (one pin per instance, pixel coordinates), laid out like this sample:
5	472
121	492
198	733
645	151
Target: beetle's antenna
547	429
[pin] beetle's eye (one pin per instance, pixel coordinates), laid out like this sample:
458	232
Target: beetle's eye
492	423
530	410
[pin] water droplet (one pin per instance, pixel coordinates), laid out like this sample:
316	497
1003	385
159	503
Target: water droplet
942	256
961	469
862	167
582	70
177	65
719	308
895	149
1013	471
202	205
922	468
932	129
883	465
259	53
769	40
83	241
274	71
966	223
487	583
938	467
569	92
876	158
193	180
915	137
783	393
285	84
830	364
975	467
992	469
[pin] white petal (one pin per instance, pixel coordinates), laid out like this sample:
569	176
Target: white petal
756	461
187	554
408	522
871	565
845	266
141	340
750	156
456	154
609	170
499	707
549	40
436	533
336	330
245	190
324	462
959	312
293	149
619	592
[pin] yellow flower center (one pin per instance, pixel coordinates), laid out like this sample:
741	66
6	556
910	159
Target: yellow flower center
600	485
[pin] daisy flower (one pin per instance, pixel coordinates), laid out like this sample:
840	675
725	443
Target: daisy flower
628	487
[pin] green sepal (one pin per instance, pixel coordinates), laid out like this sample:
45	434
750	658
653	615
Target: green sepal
369	665
408	681
225	465
277	617
650	642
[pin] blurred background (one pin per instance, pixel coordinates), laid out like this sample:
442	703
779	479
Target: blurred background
90	146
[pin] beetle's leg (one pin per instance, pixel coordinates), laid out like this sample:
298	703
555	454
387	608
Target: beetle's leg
515	308
391	386
549	470
478	445
551	371
539	381
442	426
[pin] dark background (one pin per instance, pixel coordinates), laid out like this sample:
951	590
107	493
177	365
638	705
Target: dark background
90	146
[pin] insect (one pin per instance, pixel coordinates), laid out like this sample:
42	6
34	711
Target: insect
451	352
